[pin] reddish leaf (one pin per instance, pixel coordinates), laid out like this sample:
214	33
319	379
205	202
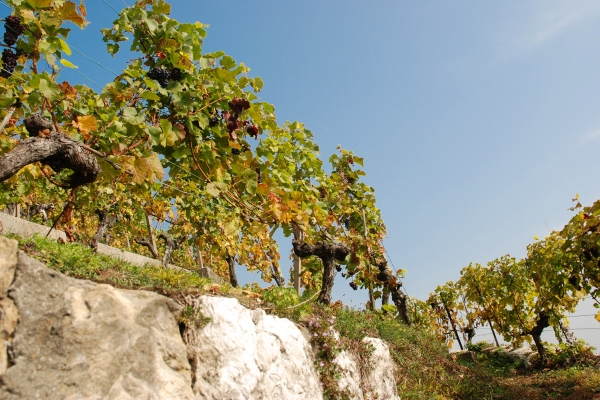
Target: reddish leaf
238	105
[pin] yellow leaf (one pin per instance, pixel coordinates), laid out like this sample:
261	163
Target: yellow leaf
597	316
147	169
33	170
69	12
39	3
64	46
166	43
535	237
86	124
68	64
27	15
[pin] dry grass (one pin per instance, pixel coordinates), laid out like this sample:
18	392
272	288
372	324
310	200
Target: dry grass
570	384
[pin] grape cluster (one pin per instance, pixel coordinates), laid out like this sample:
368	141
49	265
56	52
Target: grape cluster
176	74
235	151
353	285
9	60
162	75
13	29
259	175
213	121
338	268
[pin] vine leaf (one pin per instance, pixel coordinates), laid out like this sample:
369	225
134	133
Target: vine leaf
212	189
147	169
69	12
39	3
68	63
86	124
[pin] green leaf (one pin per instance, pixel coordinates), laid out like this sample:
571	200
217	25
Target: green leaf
161	7
149	96
35	4
389	308
112	48
21	188
251	186
49	89
257	84
64	46
155	135
151	23
359	160
170	135
227	62
68	64
212	189
224	75
129	112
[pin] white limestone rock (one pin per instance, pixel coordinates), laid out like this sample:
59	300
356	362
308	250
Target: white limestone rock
378	381
381	377
350	379
246	354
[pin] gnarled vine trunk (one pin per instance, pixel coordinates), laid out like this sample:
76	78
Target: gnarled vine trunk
391	286
279	280
53	149
106	222
536	334
328	253
148	244
232	275
36	209
170	246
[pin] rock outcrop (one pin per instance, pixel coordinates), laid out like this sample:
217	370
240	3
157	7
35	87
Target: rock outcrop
81	340
8	311
63	338
247	354
377	379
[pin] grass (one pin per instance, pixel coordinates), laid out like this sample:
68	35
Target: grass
423	367
82	262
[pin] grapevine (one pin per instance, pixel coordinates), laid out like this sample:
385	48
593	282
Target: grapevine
194	113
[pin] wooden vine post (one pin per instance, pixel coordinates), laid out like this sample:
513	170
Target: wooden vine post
488	320
151	233
493	333
452	323
200	260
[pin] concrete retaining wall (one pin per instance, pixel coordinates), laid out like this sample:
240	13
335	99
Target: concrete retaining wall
24	228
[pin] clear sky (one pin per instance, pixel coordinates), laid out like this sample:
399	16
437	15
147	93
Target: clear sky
478	121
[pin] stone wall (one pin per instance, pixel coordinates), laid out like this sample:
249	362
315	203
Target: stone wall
63	338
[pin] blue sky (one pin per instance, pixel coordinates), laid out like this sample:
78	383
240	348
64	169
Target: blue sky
478	121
